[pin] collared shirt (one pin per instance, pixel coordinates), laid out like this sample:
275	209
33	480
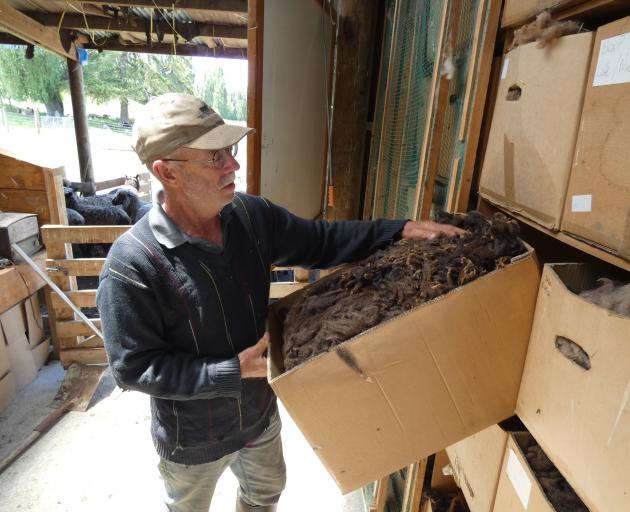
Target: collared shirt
170	235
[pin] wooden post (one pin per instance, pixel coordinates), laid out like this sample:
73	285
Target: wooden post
38	123
256	9
355	47
75	74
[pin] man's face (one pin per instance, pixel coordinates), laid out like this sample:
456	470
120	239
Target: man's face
206	177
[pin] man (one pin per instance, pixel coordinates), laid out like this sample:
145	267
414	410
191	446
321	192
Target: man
183	300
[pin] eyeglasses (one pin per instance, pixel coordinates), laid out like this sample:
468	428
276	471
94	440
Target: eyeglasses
217	160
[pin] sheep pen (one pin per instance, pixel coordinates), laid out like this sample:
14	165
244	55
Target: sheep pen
394	280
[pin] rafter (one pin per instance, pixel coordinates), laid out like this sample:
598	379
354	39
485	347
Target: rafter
239	6
137	24
29	30
188	50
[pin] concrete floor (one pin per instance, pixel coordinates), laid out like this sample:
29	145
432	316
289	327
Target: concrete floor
103	459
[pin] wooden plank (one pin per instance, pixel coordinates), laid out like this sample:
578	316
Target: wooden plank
136	25
186	50
426	141
26	201
377	199
452	181
82	234
238	6
20	25
18	174
413	486
75	267
472	67
20	281
82	356
53	179
481	92
72	328
380	495
255	28
435	146
80	298
279	290
88	340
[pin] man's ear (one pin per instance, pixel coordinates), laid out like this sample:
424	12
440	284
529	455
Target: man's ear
163	172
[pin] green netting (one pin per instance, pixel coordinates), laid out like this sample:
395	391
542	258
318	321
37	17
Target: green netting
411	37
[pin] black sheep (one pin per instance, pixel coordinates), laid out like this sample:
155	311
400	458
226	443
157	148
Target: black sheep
130	202
96	210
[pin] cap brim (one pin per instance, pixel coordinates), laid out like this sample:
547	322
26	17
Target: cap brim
220	137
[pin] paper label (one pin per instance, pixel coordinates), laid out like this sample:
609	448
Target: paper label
520	481
582	203
504	70
613	63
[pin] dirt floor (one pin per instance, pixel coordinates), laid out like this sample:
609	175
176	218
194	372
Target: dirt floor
103	459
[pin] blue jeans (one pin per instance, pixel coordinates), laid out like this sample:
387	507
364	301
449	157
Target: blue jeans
259	468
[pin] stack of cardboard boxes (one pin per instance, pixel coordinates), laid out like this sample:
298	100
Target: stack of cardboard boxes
23	347
558	155
558	146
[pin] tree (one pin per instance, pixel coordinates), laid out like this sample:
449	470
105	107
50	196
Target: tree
214	92
42	78
131	76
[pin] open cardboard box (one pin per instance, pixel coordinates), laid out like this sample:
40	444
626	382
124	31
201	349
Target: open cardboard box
429	378
519	489
580	416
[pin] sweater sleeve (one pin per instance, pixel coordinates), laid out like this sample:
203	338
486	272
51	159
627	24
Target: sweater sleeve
140	356
321	244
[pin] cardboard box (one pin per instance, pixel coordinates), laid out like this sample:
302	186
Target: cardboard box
476	464
532	138
7	390
518	12
40	353
598	200
23	366
518	489
13	323
580	417
34	322
440	481
5	364
430	377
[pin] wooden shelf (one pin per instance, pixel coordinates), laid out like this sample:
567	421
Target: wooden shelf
20	281
601	254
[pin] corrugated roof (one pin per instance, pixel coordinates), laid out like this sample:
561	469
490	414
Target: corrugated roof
114	27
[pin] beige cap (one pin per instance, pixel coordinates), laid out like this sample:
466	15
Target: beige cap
177	120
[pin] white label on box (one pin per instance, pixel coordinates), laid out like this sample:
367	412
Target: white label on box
613	64
504	70
581	204
520	481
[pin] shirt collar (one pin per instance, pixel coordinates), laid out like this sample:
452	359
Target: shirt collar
170	235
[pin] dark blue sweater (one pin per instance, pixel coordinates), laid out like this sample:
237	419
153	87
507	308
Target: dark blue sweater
175	319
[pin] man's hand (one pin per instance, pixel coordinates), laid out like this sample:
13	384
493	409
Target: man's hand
253	364
428	230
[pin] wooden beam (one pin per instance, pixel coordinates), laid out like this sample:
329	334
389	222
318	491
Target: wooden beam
238	6
439	112
426	142
136	24
20	281
355	48
27	29
83	356
79	111
81	234
74	267
188	50
80	298
481	91
255	23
